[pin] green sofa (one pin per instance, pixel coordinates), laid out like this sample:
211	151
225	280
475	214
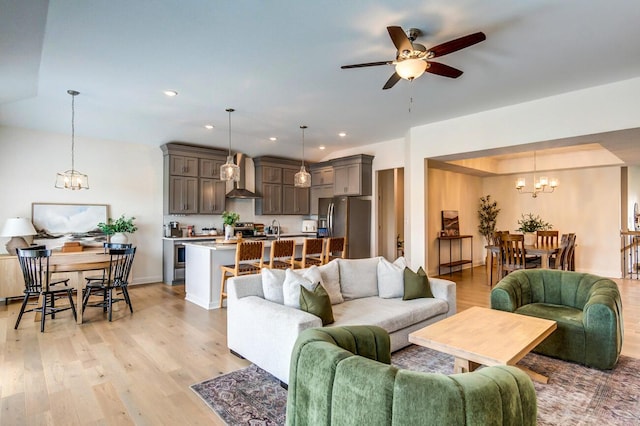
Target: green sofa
587	309
341	376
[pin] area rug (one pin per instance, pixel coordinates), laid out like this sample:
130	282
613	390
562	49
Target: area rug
575	395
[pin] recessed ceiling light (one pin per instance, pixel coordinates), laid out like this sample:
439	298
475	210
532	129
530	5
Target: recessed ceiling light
273	139
342	134
321	147
208	126
170	93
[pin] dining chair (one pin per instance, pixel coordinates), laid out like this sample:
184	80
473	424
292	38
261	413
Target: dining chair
549	238
496	240
560	261
335	248
312	253
282	254
249	260
571	251
37	281
116	279
107	247
513	254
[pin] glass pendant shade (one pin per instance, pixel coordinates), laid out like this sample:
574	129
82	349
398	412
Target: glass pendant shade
229	170
411	68
72	179
302	179
543	185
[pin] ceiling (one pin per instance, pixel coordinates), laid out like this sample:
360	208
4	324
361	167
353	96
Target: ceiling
278	64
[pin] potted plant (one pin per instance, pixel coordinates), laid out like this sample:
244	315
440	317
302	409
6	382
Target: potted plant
529	224
487	213
229	219
116	230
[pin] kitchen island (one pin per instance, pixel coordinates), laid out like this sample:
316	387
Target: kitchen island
202	272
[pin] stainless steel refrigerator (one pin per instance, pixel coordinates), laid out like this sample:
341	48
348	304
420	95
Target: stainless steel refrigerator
347	217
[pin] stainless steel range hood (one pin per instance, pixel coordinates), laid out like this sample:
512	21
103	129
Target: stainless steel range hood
239	191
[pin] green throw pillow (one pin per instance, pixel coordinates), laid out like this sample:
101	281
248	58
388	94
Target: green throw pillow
317	302
416	284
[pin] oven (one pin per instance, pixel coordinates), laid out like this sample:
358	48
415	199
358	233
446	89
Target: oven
179	255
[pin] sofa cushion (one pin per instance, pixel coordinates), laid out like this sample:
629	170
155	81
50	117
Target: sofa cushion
358	277
272	281
391	278
317	302
330	274
416	284
308	278
390	314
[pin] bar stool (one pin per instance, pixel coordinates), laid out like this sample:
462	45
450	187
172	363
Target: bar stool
312	253
282	252
336	247
249	255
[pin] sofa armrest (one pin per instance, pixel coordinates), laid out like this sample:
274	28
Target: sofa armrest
512	292
244	286
602	321
261	331
446	290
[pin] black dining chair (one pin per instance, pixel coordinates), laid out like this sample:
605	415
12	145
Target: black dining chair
116	279
107	247
37	281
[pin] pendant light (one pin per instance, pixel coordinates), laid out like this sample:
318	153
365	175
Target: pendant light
72	179
302	179
229	170
544	185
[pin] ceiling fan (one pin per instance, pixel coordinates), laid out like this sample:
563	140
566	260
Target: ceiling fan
413	59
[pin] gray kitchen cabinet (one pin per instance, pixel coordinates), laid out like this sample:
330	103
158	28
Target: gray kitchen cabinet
322	176
274	183
181	165
210	167
183	195
212	196
191	182
317	192
352	175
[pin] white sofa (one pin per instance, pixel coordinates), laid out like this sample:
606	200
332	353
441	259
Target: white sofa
264	331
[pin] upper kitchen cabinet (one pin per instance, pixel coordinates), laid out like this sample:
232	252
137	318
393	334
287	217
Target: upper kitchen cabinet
352	175
321	184
274	182
181	165
192	179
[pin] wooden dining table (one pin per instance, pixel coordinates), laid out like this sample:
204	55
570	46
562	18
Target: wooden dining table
79	262
545	251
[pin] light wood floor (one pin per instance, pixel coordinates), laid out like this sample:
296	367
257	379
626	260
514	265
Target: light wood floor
137	369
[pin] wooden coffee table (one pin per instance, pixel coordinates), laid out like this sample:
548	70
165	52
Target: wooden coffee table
481	336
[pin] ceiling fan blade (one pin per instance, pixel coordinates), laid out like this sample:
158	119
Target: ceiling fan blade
367	64
442	69
392	81
400	39
457	44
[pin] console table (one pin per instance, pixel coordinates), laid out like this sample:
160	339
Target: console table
460	260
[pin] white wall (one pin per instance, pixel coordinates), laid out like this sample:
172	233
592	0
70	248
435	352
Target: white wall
594	110
127	177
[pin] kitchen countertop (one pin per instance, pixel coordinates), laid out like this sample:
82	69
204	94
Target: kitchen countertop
270	237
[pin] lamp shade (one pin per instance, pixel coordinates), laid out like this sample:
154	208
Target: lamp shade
18	227
411	68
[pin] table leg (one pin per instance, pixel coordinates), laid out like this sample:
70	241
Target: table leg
536	377
461	365
544	261
489	263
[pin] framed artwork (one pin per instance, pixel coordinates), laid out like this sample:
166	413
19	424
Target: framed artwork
59	223
450	223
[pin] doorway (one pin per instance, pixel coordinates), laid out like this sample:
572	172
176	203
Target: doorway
390	213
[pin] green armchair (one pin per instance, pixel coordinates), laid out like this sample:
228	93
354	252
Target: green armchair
587	309
342	376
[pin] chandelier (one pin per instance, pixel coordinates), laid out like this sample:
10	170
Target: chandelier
543	185
229	170
302	179
72	179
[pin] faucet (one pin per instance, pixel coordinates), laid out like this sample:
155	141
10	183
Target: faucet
277	222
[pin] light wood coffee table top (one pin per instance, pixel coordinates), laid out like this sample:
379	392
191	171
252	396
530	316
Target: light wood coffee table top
485	336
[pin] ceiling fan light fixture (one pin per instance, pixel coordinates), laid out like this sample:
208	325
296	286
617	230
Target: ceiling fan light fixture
410	69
